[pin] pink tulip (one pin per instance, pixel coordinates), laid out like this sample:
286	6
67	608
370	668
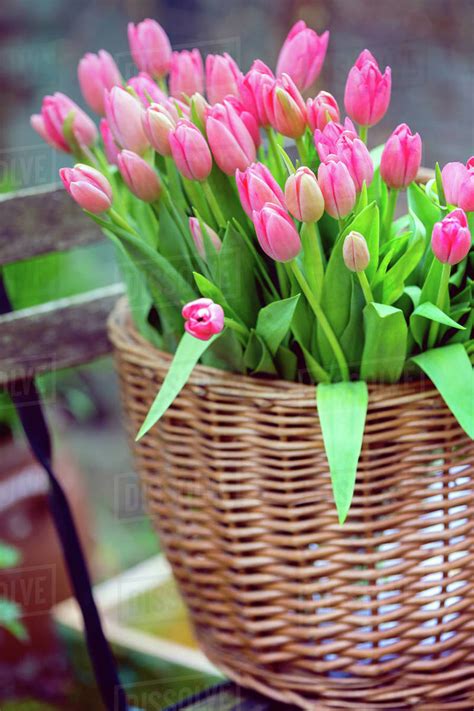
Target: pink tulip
190	151
186	73
200	107
50	123
321	110
458	184
303	196
89	188
222	77
248	118
257	186
157	123
124	116
401	158
110	147
252	87
367	93
326	140
451	238
146	89
97	72
355	154
355	252
337	187
276	232
302	55
139	176
204	318
285	107
198	237
231	143
150	47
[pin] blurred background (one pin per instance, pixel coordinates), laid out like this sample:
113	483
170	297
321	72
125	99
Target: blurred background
428	44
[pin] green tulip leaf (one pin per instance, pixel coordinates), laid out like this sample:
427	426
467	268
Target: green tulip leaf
257	357
394	280
274	321
236	276
433	313
385	345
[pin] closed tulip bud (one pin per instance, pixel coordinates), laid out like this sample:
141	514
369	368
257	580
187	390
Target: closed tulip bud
248	118
367	93
204	318
302	55
451	238
190	151
326	140
231	143
124	117
196	232
401	158
97	72
157	124
355	154
355	252
200	107
146	89
337	187
150	47
252	88
110	147
186	73
285	107
303	196
89	188
50	123
257	186
276	233
321	110
458	184
139	176
222	77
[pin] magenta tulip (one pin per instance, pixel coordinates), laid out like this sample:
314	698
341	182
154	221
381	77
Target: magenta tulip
458	184
222	77
203	318
285	107
337	187
146	89
326	140
302	55
124	116
257	186
276	233
186	73
451	238
401	158
355	154
139	176
97	72
111	148
190	151
196	232
89	188
231	143
367	93
150	47
157	123
49	124
321	110
303	196
252	88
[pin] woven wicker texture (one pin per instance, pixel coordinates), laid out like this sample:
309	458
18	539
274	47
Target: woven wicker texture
377	614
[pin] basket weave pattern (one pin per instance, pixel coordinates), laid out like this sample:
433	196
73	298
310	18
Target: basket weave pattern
377	614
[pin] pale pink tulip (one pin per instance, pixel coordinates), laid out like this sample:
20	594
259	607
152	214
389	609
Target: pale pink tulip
97	72
367	94
401	158
321	110
150	47
231	143
89	188
186	73
196	232
139	176
252	87
337	187
303	196
222	77
124	117
257	186
190	151
302	55
458	184
49	123
276	233
285	107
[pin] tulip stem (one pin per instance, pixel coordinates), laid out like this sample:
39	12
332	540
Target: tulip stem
237	327
302	150
443	290
275	153
213	204
363	131
389	212
322	320
312	257
121	222
162	85
264	275
365	286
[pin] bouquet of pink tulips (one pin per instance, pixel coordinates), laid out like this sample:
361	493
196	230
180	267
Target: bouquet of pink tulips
283	256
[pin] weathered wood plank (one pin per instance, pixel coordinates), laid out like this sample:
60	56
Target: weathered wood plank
59	334
42	220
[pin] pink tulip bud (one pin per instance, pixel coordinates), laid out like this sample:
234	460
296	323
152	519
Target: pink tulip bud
303	196
276	232
50	123
367	93
157	124
355	252
198	238
322	110
302	55
355	154
139	176
186	73
97	72
111	148
150	47
326	140
401	158
124	116
231	143
222	77
204	318
248	118
257	186
146	89
252	87
285	107
190	151
200	106
337	187
89	188
458	184
451	238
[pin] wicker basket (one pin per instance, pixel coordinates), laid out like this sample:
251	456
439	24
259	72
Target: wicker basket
377	614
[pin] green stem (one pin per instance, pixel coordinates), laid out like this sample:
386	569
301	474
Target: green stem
238	327
312	257
363	131
303	153
258	260
121	222
443	291
162	85
365	286
322	320
276	154
213	204
389	212
196	199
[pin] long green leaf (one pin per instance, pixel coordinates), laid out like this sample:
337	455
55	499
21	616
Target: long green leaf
237	276
450	370
433	313
394	280
385	345
274	321
342	409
